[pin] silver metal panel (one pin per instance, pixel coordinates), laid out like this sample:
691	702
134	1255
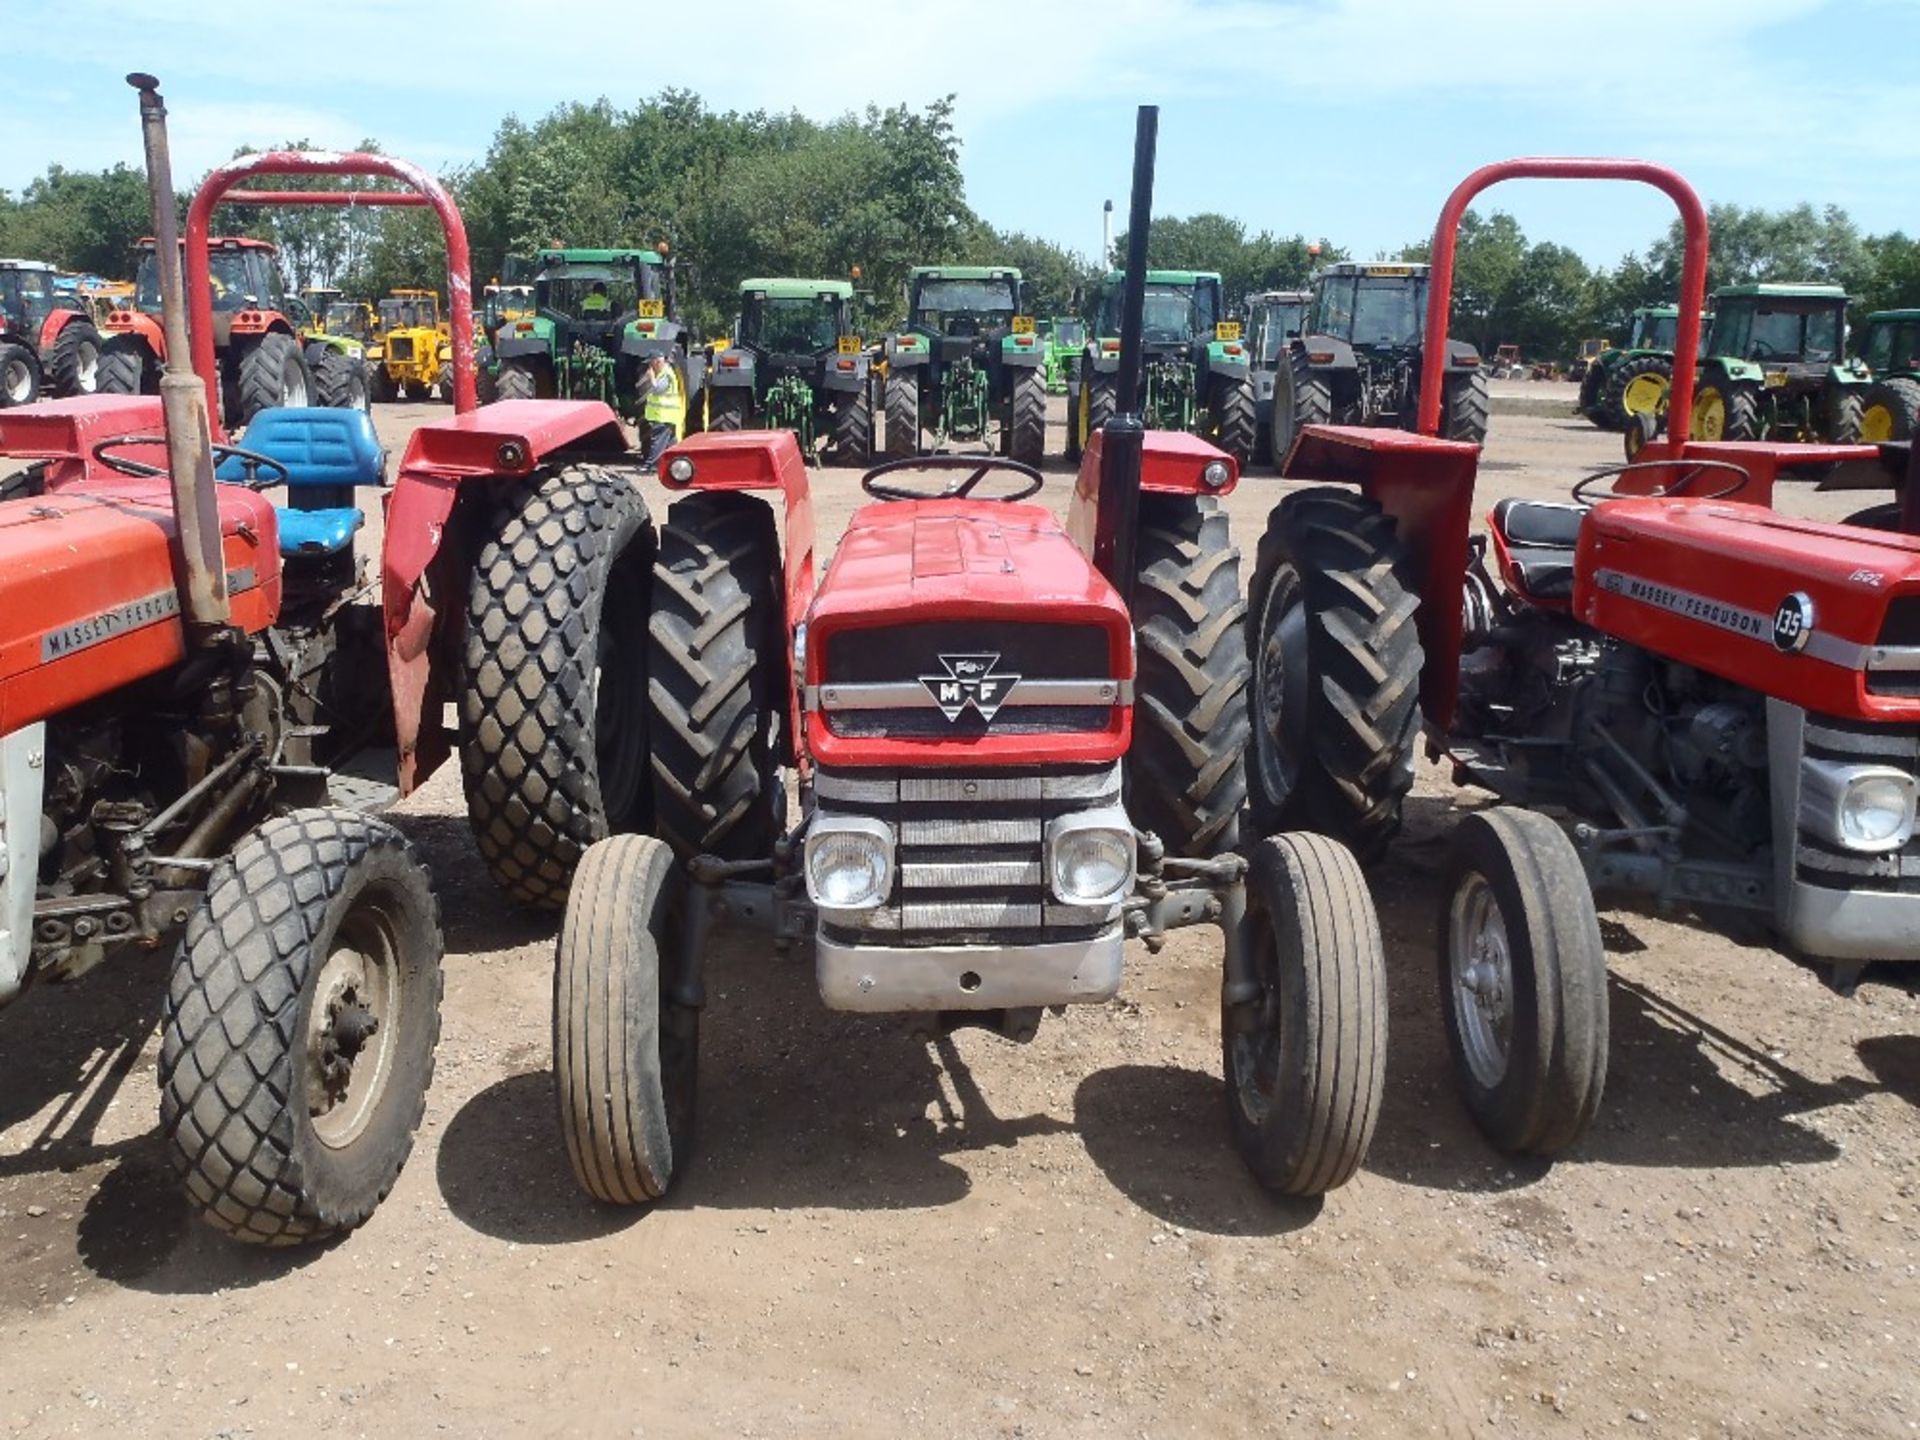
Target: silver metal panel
23	769
958	831
928	914
877	978
920	875
838	785
1084	785
914	695
968	789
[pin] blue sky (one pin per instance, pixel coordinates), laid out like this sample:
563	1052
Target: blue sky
1349	118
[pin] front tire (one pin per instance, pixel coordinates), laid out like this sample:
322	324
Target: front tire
1336	671
1523	981
19	375
1186	780
297	1041
903	414
273	372
626	1056
1306	1059
553	713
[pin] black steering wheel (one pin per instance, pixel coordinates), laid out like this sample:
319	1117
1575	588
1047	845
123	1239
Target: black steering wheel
980	466
251	461
1692	468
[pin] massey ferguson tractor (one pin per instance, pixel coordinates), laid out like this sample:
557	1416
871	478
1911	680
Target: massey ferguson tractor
1716	703
797	363
1016	745
1363	359
1196	375
47	340
969	363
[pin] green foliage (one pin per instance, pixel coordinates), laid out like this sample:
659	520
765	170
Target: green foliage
1246	262
79	220
1053	271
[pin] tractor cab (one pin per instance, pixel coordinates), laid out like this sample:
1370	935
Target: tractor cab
595	318
1274	317
1183	309
957	305
28	296
1377	309
242	271
353	319
788	319
1776	367
410	310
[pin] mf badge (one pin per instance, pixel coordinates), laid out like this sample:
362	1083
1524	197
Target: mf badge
970	680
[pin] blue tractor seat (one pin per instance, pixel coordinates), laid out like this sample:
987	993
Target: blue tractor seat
328	453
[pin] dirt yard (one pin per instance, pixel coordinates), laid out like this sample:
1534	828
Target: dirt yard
882	1236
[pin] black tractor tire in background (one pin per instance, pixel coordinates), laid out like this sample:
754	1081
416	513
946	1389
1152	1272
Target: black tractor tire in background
626	1057
1466	404
1100	398
273	372
553	709
1186	780
729	409
1613	399
486	384
297	1039
715	672
19	375
443	382
517	381
1589	402
126	368
1027	418
1300	399
1845	411
1306	1059
73	360
339	380
903	414
1231	416
381	388
1335	689
1523	981
1891	410
851	439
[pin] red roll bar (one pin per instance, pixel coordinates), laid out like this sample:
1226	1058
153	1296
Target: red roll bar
218	188
1693	270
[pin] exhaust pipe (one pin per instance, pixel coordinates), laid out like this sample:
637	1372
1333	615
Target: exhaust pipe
202	576
1117	520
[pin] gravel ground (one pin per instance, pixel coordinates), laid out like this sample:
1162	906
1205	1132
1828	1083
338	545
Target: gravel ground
971	1237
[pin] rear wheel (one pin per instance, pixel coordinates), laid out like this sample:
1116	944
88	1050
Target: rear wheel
1232	416
73	360
1523	981
1468	403
273	372
517	381
19	375
444	382
1097	401
1300	399
903	414
1845	414
1306	1058
715	665
1726	410
626	1056
1891	411
1589	402
1186	780
301	1018
382	387
339	380
1027	427
553	714
852	438
1636	387
124	368
1336	671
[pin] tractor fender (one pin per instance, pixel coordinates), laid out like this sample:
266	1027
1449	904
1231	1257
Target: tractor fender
906	351
1227	357
762	460
721	375
663	340
143	327
56	321
434	528
844	372
258	322
1325	352
1736	371
1462	355
1022	357
525	345
1845	376
1100	361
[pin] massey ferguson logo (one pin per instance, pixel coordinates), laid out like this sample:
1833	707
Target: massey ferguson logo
970	680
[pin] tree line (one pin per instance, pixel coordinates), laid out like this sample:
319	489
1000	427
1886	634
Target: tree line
735	194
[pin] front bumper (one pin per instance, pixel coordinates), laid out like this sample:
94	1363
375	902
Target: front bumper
22	781
877	978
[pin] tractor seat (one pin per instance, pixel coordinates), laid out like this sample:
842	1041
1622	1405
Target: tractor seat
329	453
1541	537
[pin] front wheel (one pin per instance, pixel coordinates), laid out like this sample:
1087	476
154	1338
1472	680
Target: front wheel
1306	1057
19	375
298	1036
1523	981
626	1053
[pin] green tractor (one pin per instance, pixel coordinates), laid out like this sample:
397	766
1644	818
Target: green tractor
1274	317
1066	337
1891	407
1197	372
1634	378
596	317
1776	367
968	363
796	363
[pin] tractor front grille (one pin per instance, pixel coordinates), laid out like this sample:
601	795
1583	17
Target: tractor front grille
969	852
1857	742
400	348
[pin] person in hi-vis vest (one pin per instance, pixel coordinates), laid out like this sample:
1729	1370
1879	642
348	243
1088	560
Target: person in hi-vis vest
665	410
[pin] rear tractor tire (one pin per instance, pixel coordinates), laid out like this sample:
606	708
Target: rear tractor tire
73	361
339	380
1027	424
1300	399
125	369
517	381
1098	399
273	372
1468	403
553	710
1846	415
1336	672
1636	386
1232	417
851	442
1724	410
1891	411
903	414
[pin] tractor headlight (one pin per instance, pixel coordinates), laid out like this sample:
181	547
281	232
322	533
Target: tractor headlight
1217	473
680	469
1862	807
1090	857
849	862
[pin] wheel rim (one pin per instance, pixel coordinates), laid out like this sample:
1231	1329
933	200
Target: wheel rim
1254	1048
1709	415
1644	394
620	699
1876	423
86	367
1480	963
1281	688
353	1027
17	380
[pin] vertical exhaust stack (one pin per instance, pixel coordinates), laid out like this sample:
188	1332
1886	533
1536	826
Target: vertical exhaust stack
202	570
1118	518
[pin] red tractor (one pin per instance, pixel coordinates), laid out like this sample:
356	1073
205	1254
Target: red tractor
1717	702
1016	745
47	340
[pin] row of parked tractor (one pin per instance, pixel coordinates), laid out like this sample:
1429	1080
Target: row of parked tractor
1775	362
1015	743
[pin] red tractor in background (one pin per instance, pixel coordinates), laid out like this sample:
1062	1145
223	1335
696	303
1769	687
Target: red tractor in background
1719	702
1016	745
47	340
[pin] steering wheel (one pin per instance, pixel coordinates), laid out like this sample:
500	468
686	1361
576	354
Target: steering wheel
252	461
1691	467
980	466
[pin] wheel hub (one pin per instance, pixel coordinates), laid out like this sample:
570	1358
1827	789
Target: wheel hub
1481	964
350	1028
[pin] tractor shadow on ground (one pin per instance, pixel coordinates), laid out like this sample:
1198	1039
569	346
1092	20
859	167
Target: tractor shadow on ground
475	913
1894	1061
799	1107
